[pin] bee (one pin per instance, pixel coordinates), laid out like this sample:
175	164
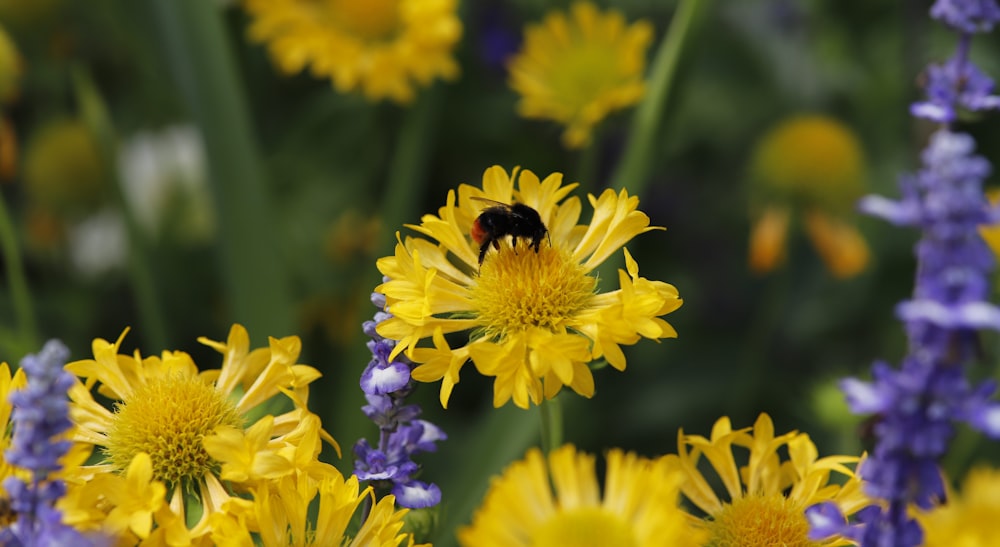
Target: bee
516	220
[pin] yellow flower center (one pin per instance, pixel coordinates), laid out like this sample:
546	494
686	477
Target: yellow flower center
587	526
583	74
760	521
519	288
167	418
373	20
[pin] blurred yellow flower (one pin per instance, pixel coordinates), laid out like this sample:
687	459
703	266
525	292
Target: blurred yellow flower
63	168
969	518
808	168
382	48
639	504
534	319
765	499
202	431
577	68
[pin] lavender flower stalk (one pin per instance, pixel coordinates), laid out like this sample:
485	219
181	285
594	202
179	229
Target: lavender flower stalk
918	404
41	414
401	435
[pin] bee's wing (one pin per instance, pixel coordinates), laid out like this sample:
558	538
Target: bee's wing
491	201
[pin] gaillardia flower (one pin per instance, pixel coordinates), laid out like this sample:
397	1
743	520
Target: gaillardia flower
577	68
639	505
534	320
766	498
202	431
807	169
382	48
968	518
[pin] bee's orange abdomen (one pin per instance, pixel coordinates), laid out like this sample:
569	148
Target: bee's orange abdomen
477	232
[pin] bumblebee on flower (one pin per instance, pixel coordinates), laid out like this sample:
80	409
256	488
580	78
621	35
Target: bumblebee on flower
532	312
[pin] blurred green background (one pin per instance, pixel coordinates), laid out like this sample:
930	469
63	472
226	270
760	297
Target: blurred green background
285	192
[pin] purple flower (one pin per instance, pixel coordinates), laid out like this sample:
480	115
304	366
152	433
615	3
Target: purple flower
916	406
957	83
416	494
41	413
967	16
401	435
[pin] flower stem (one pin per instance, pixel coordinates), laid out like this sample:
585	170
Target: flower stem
24	311
408	166
633	169
552	424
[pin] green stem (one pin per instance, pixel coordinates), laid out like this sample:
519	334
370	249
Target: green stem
254	276
24	311
633	169
552	424
407	175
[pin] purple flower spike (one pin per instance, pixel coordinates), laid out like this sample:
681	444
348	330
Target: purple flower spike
401	435
41	413
917	406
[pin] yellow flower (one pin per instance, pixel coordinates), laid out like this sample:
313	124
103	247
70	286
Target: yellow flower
183	419
534	319
809	165
968	519
8	384
638	506
382	48
765	499
277	515
577	68
64	170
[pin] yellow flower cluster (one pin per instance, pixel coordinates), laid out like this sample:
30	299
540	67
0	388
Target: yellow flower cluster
188	458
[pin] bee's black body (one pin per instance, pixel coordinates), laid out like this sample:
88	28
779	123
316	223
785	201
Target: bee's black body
516	220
